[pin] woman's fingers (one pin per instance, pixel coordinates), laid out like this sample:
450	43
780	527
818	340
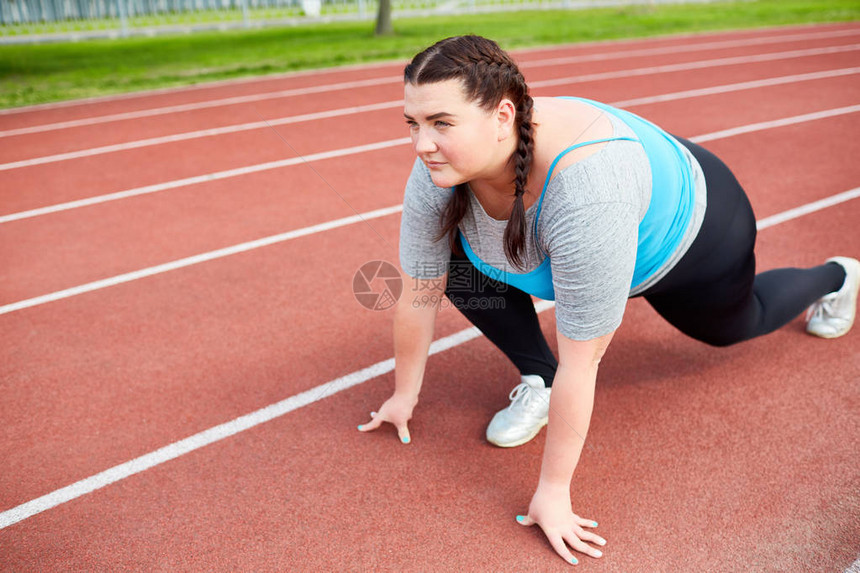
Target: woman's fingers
403	433
584	522
374	423
591	537
586	535
578	544
558	544
377	420
525	520
575	538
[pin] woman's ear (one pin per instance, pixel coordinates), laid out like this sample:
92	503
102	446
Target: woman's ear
506	115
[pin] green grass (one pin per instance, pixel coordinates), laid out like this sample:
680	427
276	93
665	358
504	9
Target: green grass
50	72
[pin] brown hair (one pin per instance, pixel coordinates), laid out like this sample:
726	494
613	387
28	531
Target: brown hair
487	75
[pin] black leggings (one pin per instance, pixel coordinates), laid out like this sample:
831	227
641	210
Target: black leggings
712	294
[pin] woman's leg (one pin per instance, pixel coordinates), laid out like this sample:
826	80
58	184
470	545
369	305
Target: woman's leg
504	314
713	294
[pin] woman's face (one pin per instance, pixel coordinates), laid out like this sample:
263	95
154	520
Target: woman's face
456	139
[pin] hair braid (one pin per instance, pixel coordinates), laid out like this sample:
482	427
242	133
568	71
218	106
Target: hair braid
515	231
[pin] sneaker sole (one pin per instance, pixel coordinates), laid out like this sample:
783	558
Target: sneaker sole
521	441
830	335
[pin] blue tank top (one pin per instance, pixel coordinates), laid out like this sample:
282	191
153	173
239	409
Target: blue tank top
660	231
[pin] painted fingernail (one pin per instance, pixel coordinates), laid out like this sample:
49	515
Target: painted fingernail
598	553
405	440
360	427
521	518
601	542
574	561
593	524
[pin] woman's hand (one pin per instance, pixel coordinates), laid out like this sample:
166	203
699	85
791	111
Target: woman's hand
551	510
397	410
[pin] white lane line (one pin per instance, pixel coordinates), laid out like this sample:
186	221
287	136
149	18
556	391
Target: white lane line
698	65
217	433
56	208
200	105
715	45
193	260
203	179
808	208
219	83
754	84
712	44
201	258
776	123
201	133
268	413
396	79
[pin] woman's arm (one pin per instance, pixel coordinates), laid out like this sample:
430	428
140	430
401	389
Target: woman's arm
414	323
569	417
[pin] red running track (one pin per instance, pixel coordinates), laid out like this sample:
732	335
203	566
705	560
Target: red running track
698	459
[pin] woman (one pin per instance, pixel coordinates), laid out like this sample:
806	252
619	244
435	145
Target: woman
571	200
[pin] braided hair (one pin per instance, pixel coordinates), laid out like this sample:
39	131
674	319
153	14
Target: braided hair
487	75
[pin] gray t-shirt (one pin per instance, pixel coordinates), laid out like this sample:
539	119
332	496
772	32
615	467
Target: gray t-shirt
588	226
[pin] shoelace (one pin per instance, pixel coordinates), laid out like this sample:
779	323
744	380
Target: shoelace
822	308
523	393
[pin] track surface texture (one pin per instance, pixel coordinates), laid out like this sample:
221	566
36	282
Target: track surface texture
176	298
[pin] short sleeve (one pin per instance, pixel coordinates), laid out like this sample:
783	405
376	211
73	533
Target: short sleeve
592	250
423	255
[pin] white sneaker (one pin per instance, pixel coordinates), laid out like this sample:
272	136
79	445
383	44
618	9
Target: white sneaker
523	419
833	315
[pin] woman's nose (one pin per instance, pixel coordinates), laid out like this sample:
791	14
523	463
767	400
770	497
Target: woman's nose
423	142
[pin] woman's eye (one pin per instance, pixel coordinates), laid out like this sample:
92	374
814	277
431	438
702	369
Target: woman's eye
443	124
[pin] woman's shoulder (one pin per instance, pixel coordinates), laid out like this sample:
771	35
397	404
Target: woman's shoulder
617	177
561	123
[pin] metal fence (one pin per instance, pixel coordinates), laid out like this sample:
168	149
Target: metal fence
44	20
